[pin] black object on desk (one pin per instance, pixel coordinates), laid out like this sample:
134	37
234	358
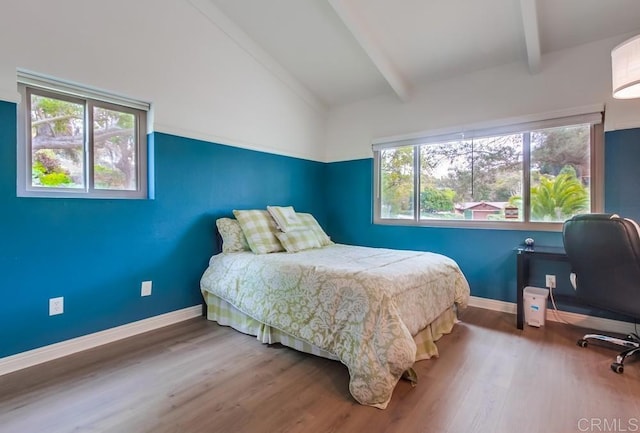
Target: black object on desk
524	256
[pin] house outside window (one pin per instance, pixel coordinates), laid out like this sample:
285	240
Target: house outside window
79	142
527	175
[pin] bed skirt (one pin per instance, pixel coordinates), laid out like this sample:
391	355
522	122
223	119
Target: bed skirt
222	312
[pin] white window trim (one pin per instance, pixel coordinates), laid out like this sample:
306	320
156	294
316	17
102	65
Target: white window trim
508	124
94	97
75	89
576	116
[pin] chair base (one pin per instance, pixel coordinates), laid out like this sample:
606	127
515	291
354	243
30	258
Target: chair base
631	343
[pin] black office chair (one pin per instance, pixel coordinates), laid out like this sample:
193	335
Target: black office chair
604	253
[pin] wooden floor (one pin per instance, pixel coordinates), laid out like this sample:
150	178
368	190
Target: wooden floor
199	377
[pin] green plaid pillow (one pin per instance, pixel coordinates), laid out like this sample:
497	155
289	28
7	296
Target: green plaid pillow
310	223
298	240
233	240
260	230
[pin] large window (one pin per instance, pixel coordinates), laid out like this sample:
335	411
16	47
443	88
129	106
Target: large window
78	142
535	174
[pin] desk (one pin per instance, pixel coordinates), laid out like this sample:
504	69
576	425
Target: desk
524	257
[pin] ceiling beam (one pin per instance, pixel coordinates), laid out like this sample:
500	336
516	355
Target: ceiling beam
529	12
371	48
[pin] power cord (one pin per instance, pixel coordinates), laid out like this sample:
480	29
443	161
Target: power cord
555	308
557	313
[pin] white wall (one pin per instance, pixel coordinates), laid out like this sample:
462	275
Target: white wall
200	82
569	79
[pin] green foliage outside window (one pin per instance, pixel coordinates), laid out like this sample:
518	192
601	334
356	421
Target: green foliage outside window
486	173
58	136
47	171
397	181
559	198
437	200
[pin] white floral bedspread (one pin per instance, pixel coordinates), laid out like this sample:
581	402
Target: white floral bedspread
361	304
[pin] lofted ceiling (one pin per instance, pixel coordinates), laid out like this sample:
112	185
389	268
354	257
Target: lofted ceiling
341	51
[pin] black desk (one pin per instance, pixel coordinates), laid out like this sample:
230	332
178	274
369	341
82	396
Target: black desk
524	257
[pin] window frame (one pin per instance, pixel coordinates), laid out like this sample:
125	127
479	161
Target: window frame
596	163
33	84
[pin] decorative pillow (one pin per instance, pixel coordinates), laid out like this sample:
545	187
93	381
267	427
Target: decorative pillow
310	223
233	240
298	240
260	230
285	218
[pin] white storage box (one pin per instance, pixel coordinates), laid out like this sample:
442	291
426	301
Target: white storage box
535	305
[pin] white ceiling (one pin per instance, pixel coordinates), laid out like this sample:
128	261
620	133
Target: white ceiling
342	51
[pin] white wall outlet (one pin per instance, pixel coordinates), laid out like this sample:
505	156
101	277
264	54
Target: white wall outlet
550	281
146	288
56	306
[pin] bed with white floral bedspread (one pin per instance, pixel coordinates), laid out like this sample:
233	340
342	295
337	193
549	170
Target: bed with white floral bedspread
361	304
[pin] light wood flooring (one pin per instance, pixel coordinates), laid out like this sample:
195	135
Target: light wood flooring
199	377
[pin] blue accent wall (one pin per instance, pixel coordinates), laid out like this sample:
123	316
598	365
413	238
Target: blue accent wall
622	173
96	252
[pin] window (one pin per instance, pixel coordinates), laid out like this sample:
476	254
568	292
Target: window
526	175
79	142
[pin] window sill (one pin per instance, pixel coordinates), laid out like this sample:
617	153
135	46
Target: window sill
466	224
60	193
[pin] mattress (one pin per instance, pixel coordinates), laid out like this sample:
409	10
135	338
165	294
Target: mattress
225	314
361	305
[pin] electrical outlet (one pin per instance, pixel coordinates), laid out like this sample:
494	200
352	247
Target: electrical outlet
145	290
56	306
550	281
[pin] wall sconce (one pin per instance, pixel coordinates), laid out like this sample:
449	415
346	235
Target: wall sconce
625	68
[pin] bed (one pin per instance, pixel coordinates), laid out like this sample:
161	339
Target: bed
376	310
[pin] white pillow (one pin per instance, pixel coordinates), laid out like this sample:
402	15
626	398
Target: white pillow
285	218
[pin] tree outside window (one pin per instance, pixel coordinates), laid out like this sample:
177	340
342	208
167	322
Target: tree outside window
484	177
75	145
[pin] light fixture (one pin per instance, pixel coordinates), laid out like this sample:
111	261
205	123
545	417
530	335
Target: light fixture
625	69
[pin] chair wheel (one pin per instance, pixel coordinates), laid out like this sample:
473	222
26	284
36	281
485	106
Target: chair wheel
617	367
582	343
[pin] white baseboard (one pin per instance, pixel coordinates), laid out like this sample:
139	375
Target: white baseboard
492	304
580	320
33	357
58	350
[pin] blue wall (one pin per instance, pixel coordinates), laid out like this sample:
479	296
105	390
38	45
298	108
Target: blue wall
485	256
96	253
622	173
